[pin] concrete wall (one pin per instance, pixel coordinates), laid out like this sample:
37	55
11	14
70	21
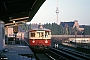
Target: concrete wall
80	40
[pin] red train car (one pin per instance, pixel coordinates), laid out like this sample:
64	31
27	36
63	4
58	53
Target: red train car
38	38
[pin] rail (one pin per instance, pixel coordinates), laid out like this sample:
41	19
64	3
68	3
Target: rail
70	54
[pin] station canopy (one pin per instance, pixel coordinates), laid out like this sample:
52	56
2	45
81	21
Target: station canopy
12	9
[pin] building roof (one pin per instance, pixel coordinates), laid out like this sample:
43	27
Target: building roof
81	26
70	24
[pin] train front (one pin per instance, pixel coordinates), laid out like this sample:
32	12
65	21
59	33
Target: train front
40	39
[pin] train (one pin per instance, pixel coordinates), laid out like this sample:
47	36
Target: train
39	38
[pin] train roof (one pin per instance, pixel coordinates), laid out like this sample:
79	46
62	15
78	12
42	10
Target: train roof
43	29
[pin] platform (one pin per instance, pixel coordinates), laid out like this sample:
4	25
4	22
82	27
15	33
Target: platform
18	52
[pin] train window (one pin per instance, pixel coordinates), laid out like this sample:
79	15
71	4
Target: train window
42	34
38	34
48	33
32	34
45	33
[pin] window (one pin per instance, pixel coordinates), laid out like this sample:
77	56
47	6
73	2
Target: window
38	34
42	34
48	33
32	34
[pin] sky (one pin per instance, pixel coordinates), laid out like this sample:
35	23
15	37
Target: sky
69	10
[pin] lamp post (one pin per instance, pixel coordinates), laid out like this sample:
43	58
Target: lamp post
15	29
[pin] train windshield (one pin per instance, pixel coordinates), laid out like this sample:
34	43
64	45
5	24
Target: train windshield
40	34
32	34
47	34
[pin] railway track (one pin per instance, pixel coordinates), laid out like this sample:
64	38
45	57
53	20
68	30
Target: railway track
56	56
74	52
43	56
50	55
70	54
62	54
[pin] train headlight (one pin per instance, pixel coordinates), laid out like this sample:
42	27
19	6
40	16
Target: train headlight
33	41
46	41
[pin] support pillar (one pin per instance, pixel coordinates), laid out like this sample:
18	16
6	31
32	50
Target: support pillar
2	35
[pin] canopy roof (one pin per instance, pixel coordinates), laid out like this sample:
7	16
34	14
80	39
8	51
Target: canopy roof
12	9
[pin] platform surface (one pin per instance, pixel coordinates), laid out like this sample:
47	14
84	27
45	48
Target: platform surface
15	52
